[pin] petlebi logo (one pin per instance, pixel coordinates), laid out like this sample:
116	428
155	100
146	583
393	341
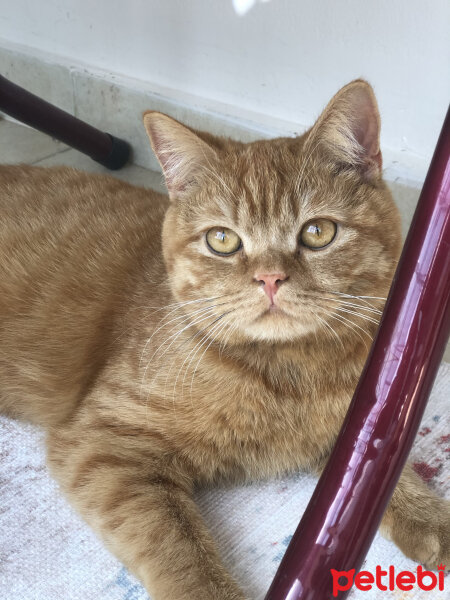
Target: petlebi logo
388	580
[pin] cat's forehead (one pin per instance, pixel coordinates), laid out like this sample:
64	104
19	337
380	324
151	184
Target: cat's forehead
266	192
263	186
269	213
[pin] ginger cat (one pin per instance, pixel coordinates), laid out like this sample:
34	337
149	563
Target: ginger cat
217	335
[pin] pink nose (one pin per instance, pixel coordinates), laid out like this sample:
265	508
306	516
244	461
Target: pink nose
271	282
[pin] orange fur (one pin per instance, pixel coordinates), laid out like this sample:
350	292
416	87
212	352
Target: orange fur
154	364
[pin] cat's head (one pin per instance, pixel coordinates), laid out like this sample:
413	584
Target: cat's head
278	239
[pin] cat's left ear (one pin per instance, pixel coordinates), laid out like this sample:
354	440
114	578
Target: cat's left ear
183	156
347	133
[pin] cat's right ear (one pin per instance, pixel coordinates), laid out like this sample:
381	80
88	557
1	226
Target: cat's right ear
183	156
347	133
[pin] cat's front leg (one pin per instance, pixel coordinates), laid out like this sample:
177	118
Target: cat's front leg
418	521
146	516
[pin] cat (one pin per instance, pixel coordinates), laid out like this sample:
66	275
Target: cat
213	335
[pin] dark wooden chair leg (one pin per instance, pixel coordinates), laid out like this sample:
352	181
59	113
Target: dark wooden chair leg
349	501
102	147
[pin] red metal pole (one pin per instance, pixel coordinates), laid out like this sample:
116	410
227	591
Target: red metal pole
350	498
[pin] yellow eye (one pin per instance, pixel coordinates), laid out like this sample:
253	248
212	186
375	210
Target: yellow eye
223	241
318	233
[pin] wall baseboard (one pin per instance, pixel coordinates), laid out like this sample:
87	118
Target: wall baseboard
115	103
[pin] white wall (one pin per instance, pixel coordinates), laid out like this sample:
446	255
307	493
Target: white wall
283	59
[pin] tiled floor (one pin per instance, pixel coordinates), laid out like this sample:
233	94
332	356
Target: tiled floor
19	144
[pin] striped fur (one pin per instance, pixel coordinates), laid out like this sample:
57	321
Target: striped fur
155	365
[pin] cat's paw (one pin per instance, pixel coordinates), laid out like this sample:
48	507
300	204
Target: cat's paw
426	540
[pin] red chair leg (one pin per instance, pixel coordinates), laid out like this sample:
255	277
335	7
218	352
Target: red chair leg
102	147
349	501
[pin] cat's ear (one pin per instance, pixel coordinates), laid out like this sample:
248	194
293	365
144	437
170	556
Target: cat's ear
347	133
183	156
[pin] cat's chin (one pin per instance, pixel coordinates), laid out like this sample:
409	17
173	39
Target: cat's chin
277	325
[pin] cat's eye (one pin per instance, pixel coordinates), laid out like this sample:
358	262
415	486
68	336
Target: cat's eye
223	241
318	233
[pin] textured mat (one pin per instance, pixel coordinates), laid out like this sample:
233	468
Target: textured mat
48	553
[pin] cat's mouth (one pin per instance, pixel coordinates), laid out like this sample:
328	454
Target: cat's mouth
274	308
272	311
273	322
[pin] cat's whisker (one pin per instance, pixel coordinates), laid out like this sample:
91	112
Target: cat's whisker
181	305
347	323
206	314
193	350
174	336
202	355
351	322
196	334
359	306
362	298
176	305
200	343
225	338
180	370
361	316
190	357
351	325
353	304
320	296
330	328
160	308
350	296
153	309
177	334
186	317
171	366
228	334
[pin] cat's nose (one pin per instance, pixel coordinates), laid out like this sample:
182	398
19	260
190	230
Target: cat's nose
271	282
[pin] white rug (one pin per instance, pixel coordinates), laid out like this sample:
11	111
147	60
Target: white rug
48	553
